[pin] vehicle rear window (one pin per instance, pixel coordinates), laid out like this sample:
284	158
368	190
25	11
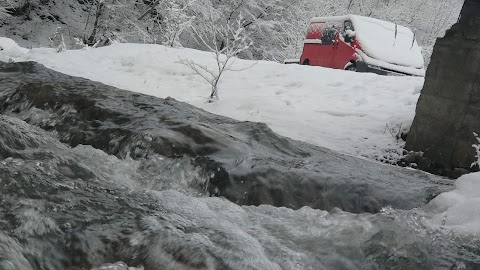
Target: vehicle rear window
315	30
329	32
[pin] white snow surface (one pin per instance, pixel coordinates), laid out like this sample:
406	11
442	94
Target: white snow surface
9	49
459	209
378	40
344	111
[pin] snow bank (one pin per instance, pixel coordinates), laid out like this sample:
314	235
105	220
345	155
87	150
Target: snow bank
377	39
459	210
344	111
10	49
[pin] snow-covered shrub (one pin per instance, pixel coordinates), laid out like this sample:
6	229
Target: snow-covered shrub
477	148
225	41
57	40
396	130
62	47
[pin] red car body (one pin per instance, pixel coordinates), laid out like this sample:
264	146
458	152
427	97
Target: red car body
327	52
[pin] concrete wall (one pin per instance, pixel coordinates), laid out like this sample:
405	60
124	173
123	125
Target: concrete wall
448	111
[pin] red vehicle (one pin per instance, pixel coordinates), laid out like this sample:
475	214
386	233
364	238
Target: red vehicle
362	44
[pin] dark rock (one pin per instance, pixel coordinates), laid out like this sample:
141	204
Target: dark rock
457	172
412	157
448	110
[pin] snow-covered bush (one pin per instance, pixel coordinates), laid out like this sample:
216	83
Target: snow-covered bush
477	148
57	40
62	47
225	41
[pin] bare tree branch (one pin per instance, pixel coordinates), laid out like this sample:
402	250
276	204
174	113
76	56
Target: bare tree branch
150	10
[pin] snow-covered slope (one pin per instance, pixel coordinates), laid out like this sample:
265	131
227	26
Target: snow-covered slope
352	113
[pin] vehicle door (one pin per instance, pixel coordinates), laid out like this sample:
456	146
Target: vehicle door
344	46
329	41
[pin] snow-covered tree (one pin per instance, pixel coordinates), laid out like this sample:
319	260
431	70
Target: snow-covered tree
173	18
57	40
109	20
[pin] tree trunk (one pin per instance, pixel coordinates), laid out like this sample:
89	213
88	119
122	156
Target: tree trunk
98	14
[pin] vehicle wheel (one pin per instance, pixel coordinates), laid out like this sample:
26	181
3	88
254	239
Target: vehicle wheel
306	62
352	67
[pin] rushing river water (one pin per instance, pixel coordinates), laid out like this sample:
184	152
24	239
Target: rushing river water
91	175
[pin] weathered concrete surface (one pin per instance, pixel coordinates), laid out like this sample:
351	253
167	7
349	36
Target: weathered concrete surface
448	111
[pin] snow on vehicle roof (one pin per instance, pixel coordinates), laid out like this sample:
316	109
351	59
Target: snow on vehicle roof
378	41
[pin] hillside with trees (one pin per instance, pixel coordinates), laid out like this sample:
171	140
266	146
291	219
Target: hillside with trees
277	27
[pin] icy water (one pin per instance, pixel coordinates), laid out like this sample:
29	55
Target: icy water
91	176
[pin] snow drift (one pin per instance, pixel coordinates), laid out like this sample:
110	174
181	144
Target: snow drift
459	209
9	49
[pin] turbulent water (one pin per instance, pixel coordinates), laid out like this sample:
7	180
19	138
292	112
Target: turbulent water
91	176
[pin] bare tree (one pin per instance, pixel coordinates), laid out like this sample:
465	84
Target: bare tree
225	41
57	40
98	15
175	17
